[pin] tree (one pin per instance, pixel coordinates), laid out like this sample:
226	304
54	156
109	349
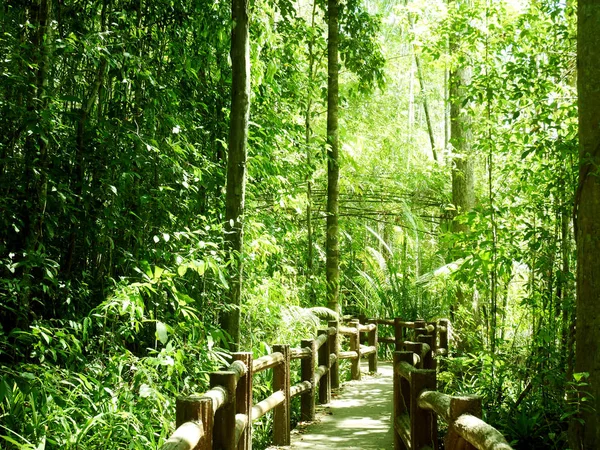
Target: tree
587	211
236	164
333	168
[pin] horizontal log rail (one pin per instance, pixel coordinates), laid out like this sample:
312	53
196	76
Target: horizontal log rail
417	404
221	418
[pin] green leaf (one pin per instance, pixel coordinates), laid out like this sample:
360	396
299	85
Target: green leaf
161	332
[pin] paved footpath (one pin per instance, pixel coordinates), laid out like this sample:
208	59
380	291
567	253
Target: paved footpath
358	417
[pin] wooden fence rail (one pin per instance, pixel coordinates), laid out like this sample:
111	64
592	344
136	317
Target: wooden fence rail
417	404
221	418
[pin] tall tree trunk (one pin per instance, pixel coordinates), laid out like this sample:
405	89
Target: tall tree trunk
426	108
236	165
463	196
333	168
311	297
36	150
587	211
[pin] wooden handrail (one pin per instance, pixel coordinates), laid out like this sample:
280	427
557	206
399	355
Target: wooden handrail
186	437
221	417
267	362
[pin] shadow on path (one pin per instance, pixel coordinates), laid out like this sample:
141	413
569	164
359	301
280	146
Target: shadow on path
359	417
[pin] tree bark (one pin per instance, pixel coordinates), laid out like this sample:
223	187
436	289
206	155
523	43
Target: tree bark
333	168
463	195
236	166
587	211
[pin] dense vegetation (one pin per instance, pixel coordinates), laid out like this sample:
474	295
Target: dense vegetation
455	134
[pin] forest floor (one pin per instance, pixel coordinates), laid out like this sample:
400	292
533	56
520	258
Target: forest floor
358	417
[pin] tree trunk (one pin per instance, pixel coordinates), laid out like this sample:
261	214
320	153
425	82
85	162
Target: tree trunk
311	295
236	166
333	168
463	195
426	108
587	211
36	151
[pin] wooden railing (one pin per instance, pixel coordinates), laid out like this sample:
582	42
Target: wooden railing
417	404
221	418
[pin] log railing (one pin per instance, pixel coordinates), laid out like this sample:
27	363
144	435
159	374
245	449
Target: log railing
417	404
221	418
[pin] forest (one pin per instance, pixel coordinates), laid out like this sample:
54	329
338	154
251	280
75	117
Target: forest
184	178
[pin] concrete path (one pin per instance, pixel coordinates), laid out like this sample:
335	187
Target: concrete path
358	417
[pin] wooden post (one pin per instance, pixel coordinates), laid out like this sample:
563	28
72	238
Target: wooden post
415	347
355	346
334	348
401	402
434	334
196	408
224	424
372	341
398	338
423	423
444	334
243	396
281	382
307	368
325	382
429	361
469	404
362	319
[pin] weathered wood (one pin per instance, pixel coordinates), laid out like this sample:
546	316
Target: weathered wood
281	382
347	331
243	397
334	348
355	347
300	353
384	321
348	355
443	333
401	397
405	368
266	405
480	434
320	371
402	428
366	328
423	429
224	424
398	334
468	404
437	402
300	388
386	340
367	351
428	360
266	362
195	408
241	426
238	367
416	347
373	341
324	359
322	337
186	437
307	371
218	396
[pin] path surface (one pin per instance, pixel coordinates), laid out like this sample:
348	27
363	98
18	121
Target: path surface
358	417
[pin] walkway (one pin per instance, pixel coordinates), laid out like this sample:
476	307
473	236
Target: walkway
358	417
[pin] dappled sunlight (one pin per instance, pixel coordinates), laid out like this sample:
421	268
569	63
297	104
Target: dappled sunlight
358	418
